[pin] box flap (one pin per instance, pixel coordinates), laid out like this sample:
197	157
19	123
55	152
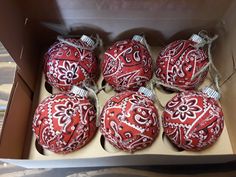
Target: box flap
16	37
166	17
11	31
226	44
16	120
228	102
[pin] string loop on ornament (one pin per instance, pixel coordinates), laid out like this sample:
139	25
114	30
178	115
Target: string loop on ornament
98	42
160	83
146	44
208	41
151	85
106	88
96	103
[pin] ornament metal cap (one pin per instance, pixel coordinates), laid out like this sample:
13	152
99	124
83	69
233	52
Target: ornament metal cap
79	91
138	38
87	40
197	39
148	93
211	93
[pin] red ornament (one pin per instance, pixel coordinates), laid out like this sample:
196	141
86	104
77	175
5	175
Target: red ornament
127	65
129	120
65	122
179	61
67	65
193	120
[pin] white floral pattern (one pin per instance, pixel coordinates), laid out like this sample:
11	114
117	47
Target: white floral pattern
68	72
186	109
65	112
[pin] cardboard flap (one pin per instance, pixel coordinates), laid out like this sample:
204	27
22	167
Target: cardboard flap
168	17
11	30
225	51
16	120
15	34
228	103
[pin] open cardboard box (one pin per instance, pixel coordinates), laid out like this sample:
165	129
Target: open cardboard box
27	32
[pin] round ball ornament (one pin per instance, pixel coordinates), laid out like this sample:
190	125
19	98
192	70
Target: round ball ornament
70	62
65	122
129	120
193	120
179	63
127	65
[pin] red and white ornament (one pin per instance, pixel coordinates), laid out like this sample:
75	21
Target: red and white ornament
193	120
179	61
129	120
65	122
127	64
70	62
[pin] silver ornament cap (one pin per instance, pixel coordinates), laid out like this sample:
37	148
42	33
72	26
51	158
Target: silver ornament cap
148	93
211	93
87	40
197	39
138	38
79	91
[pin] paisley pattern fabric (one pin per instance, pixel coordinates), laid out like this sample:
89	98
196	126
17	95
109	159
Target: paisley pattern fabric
66	65
129	121
193	121
179	62
127	65
64	122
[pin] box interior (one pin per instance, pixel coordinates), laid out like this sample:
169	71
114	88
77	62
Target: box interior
99	148
33	27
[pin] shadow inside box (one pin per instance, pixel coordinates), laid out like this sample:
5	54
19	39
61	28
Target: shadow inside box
187	33
90	30
153	36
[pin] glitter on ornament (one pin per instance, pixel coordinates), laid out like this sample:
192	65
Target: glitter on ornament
127	64
180	61
193	120
65	122
129	120
70	62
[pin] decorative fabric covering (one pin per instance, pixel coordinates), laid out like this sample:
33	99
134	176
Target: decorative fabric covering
64	122
66	65
129	121
127	65
178	62
192	120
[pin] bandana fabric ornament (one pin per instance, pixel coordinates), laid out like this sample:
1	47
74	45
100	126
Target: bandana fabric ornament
193	120
178	63
129	120
65	122
70	62
127	64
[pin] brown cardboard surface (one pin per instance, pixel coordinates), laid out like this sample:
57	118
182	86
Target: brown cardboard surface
229	21
168	17
224	55
229	102
16	120
15	36
11	29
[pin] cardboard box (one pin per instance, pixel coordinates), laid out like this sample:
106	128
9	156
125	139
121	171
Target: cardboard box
27	33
